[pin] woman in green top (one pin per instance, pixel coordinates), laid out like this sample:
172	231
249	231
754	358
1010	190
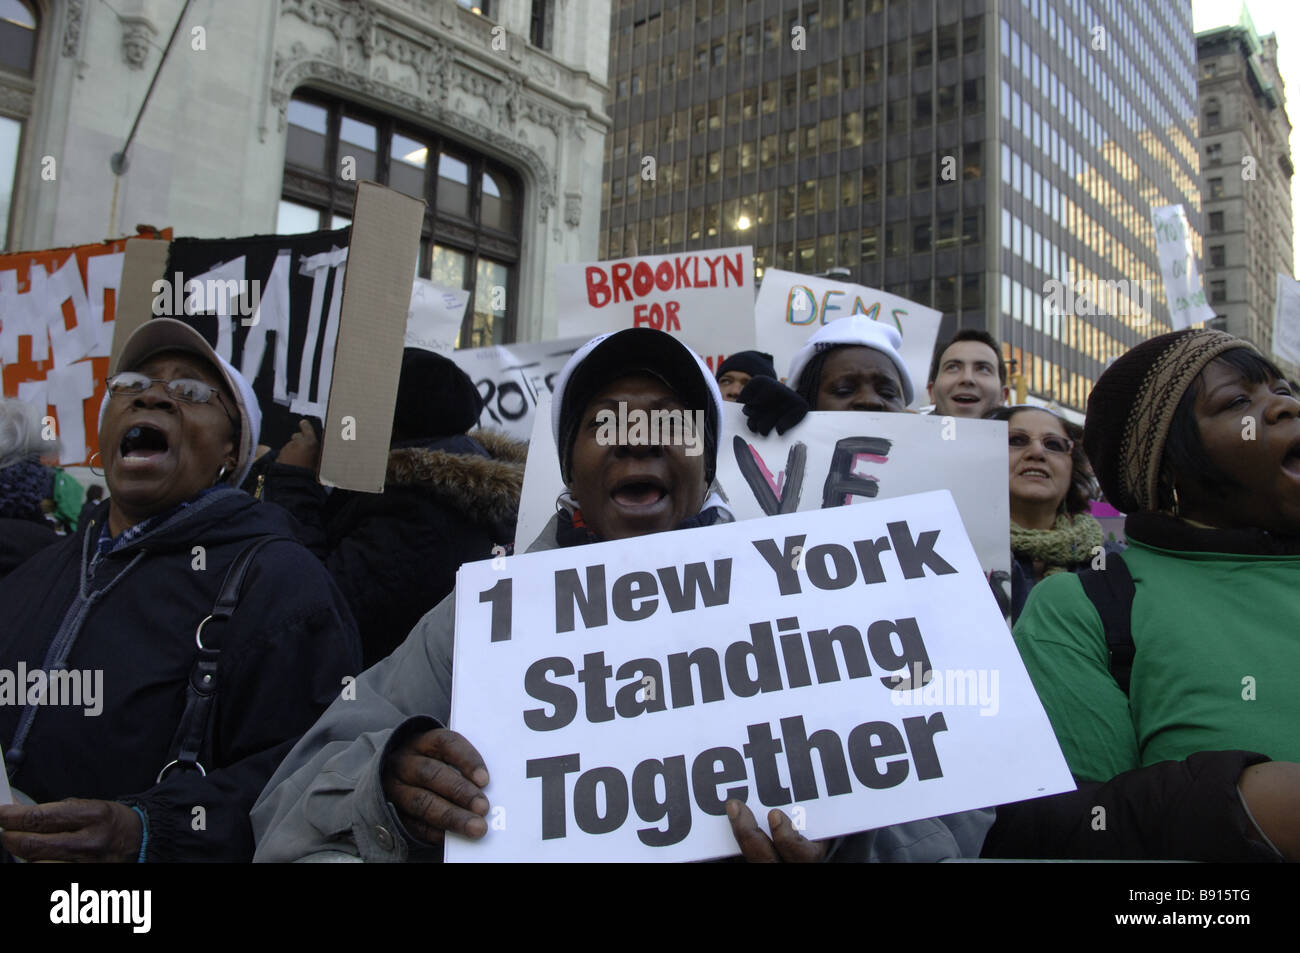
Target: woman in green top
1197	438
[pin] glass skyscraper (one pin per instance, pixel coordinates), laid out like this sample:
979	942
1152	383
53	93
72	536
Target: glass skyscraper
962	154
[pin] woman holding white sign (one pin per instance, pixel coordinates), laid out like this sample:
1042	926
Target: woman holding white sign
1169	675
379	778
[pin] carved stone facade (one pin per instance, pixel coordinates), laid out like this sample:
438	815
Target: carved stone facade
208	158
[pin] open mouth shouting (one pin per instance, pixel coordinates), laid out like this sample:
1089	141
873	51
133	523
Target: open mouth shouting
1291	459
639	494
143	446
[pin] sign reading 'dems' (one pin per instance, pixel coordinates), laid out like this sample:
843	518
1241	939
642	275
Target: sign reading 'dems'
849	667
791	307
706	298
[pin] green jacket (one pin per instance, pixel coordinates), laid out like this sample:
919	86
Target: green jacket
1216	627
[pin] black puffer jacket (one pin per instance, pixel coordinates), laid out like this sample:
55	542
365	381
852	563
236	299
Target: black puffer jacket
285	652
395	554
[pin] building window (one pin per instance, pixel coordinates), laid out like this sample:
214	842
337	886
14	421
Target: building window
1212	118
17	36
1216	187
471	235
1216	221
478	7
1218	292
1217	256
1214	154
539	29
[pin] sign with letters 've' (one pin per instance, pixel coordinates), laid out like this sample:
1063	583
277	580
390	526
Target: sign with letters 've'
850	668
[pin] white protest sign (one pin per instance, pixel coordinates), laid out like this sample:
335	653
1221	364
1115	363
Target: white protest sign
705	298
790	307
512	378
434	317
621	692
851	457
542	480
1286	319
1183	291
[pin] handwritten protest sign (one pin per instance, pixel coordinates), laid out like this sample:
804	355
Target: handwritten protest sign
836	459
1183	291
790	307
512	378
829	460
620	693
1286	319
434	317
56	330
705	298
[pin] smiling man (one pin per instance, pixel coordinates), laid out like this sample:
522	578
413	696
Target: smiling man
968	377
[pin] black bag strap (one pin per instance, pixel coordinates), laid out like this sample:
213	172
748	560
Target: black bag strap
201	690
1111	591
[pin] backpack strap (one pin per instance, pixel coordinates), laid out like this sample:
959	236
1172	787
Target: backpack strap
201	690
1111	591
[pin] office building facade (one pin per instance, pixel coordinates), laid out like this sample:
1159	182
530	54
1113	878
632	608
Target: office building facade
962	153
1246	170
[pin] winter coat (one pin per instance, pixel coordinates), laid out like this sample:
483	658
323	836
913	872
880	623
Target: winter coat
1211	693
395	554
1024	576
20	539
132	615
327	798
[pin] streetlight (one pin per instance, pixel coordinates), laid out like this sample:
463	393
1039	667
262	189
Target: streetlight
743	222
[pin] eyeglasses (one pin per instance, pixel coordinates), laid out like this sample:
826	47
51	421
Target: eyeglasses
1019	440
186	389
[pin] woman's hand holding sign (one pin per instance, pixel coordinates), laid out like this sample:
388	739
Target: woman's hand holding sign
786	845
434	779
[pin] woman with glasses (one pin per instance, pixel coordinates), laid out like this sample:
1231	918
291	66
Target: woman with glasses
1050	484
151	715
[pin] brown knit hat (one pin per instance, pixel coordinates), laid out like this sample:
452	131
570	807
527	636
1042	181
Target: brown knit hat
1132	406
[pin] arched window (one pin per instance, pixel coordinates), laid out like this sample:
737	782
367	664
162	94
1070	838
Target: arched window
471	234
18	31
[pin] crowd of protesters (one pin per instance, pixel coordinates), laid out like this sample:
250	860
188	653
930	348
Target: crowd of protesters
281	653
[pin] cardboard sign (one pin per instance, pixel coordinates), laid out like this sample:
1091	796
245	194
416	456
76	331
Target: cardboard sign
514	378
791	307
1183	291
434	316
376	296
842	458
1286	319
620	693
705	298
57	311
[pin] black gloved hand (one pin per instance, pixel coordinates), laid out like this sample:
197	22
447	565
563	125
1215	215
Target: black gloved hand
769	403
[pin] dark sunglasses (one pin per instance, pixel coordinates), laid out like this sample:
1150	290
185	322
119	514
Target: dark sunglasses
1019	440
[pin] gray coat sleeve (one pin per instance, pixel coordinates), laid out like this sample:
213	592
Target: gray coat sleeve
929	840
327	795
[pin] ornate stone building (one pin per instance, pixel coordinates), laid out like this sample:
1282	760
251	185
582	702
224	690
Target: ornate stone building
265	114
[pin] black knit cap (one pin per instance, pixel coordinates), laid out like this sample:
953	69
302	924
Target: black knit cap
435	398
753	363
1132	406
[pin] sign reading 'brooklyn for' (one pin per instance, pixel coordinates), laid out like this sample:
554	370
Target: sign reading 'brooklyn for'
637	685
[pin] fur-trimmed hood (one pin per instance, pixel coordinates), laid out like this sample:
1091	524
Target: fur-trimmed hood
485	488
